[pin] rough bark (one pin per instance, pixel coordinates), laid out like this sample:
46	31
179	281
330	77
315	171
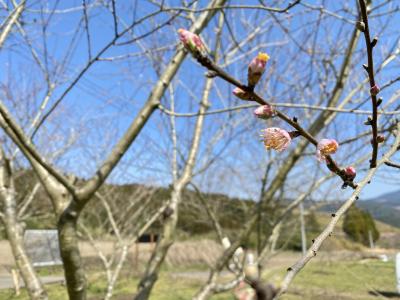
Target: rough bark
165	241
70	254
14	230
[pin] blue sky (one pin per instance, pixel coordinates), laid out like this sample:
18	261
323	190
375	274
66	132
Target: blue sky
101	106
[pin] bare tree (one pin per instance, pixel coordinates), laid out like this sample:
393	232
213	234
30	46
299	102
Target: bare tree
246	92
70	197
15	232
314	86
179	184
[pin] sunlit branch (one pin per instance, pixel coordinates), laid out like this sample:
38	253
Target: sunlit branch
312	252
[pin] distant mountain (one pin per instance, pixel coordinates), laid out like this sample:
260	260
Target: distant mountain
392	199
385	208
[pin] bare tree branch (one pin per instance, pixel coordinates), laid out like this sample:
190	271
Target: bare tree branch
11	21
370	70
312	252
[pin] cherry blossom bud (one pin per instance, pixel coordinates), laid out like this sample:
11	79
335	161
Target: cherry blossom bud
326	147
350	173
238	92
380	138
264	112
375	90
256	68
192	42
276	138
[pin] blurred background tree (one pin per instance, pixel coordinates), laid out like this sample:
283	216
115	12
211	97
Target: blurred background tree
360	226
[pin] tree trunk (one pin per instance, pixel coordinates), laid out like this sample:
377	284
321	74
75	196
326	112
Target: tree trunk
165	240
70	255
14	232
15	237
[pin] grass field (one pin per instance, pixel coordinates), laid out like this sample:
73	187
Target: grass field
325	278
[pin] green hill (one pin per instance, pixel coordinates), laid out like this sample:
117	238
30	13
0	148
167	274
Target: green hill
131	204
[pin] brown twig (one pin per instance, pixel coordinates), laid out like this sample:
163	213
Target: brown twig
392	164
370	69
331	164
312	252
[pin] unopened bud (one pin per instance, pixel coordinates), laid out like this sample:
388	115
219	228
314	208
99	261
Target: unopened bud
380	138
238	92
368	122
360	26
192	43
374	42
211	74
264	112
294	134
256	69
350	173
326	147
375	90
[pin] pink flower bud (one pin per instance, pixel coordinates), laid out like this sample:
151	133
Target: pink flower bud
264	112
192	42
350	173
238	92
326	147
380	138
276	138
256	68
375	90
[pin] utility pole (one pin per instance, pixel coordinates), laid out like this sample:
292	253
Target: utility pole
371	240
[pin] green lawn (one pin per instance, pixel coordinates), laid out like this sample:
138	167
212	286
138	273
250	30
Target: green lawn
319	280
343	280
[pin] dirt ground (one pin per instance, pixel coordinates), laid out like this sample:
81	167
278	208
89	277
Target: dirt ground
203	252
190	252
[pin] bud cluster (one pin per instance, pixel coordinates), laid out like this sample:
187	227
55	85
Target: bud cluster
273	137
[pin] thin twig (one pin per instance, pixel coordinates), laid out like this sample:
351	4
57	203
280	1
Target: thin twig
370	70
87	67
225	7
392	164
18	136
331	164
85	16
114	13
327	232
289	105
13	19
